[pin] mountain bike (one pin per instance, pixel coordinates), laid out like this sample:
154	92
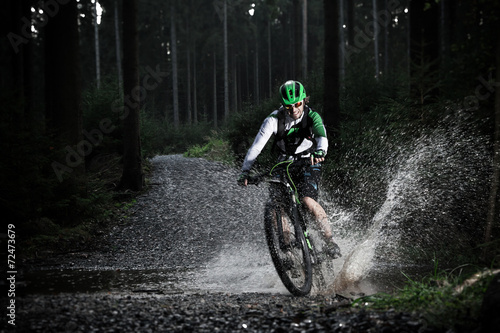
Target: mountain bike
288	235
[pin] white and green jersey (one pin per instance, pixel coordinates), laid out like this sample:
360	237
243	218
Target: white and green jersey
294	138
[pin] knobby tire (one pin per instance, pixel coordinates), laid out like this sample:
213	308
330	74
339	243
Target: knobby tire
292	262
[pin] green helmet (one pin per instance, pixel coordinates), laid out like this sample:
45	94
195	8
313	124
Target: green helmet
292	92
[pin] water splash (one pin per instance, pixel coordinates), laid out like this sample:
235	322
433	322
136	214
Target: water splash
241	268
435	195
351	279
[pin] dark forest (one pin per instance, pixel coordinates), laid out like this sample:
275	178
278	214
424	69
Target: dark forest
91	90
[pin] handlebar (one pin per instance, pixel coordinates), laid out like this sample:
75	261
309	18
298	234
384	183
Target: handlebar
284	165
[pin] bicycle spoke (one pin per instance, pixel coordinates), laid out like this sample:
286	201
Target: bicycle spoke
288	251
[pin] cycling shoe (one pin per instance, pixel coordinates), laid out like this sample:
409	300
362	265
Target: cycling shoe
332	250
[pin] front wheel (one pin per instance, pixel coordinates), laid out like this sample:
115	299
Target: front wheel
288	249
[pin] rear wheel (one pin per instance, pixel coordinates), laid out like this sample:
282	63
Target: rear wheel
288	249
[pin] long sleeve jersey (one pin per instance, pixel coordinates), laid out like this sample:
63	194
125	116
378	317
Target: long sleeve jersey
270	127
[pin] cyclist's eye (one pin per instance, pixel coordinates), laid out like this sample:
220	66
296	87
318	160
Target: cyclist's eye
290	107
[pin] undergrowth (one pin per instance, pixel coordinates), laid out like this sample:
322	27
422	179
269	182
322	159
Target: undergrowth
216	148
443	299
99	209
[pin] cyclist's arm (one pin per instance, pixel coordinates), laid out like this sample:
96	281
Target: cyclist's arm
319	131
268	128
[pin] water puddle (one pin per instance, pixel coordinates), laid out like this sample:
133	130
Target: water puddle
241	268
173	281
237	269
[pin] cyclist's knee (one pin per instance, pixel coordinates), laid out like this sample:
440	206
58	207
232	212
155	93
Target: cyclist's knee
311	203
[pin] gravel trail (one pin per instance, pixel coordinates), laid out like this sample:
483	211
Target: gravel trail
191	258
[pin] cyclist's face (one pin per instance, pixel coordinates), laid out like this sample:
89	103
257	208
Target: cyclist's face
295	110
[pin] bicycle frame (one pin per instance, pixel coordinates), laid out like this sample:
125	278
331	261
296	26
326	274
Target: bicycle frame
286	210
282	186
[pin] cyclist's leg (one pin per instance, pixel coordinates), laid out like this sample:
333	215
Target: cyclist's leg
319	215
308	191
308	187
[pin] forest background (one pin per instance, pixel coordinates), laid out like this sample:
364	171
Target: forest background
91	90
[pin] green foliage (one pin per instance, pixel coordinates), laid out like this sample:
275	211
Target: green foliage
103	106
444	299
216	149
161	137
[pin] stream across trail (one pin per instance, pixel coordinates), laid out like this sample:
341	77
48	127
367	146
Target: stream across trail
195	229
192	256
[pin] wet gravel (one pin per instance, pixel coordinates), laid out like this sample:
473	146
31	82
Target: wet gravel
193	212
215	312
192	209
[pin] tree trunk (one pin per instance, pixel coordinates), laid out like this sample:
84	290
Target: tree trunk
331	100
132	176
304	40
376	39
226	65
63	79
342	40
173	42
295	45
97	51
492	209
215	116
269	58
247	70
195	98
16	66
256	72
188	79
424	49
118	48
387	28
350	22
235	85
445	24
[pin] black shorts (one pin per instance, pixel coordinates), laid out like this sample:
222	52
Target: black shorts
307	181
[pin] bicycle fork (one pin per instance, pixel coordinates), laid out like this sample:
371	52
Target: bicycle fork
309	240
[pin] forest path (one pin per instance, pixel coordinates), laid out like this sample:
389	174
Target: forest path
192	257
194	229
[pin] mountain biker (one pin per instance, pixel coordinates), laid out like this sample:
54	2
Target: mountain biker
299	133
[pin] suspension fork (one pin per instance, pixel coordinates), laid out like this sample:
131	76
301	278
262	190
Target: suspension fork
297	213
280	207
299	216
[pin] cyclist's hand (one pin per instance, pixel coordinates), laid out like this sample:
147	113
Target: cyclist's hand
243	179
318	156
